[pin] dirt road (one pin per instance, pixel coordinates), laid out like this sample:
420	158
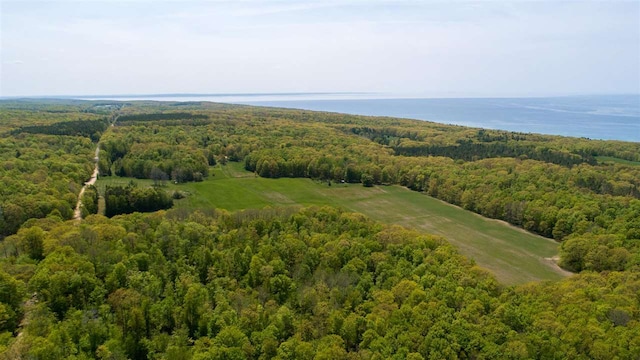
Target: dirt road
77	214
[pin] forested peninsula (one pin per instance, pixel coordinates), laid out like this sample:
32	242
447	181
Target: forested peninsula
146	274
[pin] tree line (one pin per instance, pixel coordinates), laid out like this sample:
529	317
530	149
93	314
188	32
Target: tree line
515	146
132	198
91	129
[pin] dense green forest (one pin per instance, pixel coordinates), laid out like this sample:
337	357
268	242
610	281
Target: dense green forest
315	283
46	152
549	185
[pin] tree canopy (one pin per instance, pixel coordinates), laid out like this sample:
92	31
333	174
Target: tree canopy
313	283
289	284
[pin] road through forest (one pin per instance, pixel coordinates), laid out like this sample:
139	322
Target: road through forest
77	214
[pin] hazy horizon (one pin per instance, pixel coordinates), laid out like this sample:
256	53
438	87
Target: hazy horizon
292	96
405	48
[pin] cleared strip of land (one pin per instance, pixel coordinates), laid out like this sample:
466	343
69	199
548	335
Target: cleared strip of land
513	255
614	160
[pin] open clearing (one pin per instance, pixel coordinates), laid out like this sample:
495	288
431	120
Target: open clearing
512	254
614	160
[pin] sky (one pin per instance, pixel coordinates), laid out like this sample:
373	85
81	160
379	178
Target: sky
419	48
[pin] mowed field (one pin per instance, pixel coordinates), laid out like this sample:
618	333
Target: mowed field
512	254
613	160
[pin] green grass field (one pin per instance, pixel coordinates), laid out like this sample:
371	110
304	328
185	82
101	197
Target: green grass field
612	160
512	254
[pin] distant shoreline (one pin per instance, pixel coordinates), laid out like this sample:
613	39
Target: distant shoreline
325	95
594	117
602	117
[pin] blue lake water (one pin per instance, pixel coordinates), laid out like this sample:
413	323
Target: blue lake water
611	117
595	117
